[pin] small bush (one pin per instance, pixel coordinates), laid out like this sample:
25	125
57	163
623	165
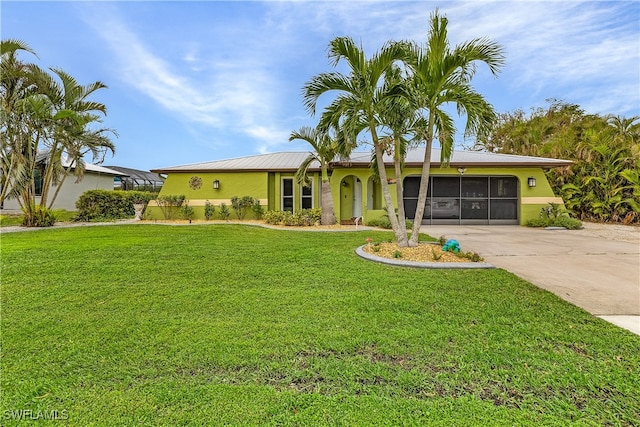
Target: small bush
471	256
384	222
209	210
187	212
273	217
224	212
169	203
553	216
537	222
301	218
241	204
257	209
567	222
42	217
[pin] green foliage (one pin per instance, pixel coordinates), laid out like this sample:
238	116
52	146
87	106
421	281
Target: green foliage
273	217
384	222
240	205
209	210
224	212
257	209
553	215
301	218
603	183
153	325
538	222
169	204
187	212
40	217
49	122
567	222
107	205
397	254
471	256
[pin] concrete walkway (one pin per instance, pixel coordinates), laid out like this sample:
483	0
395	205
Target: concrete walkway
596	268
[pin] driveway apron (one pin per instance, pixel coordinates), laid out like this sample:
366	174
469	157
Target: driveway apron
596	270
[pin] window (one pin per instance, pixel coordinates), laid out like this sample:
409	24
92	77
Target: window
287	194
37	181
306	196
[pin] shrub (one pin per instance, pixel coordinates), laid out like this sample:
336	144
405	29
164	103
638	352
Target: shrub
224	211
209	210
384	222
101	205
241	204
187	212
567	222
257	209
471	256
537	222
301	218
553	216
273	217
168	204
42	217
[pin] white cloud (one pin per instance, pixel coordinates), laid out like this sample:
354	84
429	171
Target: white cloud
237	94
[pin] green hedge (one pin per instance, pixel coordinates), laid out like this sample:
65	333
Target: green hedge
100	205
302	217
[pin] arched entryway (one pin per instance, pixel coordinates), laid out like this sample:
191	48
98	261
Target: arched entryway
350	199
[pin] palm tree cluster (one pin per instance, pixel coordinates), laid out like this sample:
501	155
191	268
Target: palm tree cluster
400	98
603	183
47	125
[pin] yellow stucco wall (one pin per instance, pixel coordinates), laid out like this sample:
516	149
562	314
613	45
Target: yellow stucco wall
532	199
267	187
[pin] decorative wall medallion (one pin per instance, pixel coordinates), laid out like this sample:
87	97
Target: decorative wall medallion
195	182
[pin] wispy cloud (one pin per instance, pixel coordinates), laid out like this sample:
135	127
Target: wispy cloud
236	94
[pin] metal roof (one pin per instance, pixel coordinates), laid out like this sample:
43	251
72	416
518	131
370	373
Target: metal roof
290	161
415	157
283	161
138	175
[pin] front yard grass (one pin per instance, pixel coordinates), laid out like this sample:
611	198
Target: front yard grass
241	325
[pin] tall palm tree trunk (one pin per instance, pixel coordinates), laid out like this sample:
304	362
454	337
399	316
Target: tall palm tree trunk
402	223
422	193
401	237
328	217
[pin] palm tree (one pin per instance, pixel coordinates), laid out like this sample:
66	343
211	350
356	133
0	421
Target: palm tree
326	149
73	136
358	105
440	77
43	121
16	88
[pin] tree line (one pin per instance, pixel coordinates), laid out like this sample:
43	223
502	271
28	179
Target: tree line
603	183
48	125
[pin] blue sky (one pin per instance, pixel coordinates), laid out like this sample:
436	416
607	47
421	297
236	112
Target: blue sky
207	80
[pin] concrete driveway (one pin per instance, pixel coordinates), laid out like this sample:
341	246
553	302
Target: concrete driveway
596	268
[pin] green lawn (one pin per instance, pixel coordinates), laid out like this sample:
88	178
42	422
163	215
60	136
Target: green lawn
239	325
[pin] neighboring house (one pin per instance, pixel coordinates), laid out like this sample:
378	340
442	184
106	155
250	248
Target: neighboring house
136	179
95	178
476	187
